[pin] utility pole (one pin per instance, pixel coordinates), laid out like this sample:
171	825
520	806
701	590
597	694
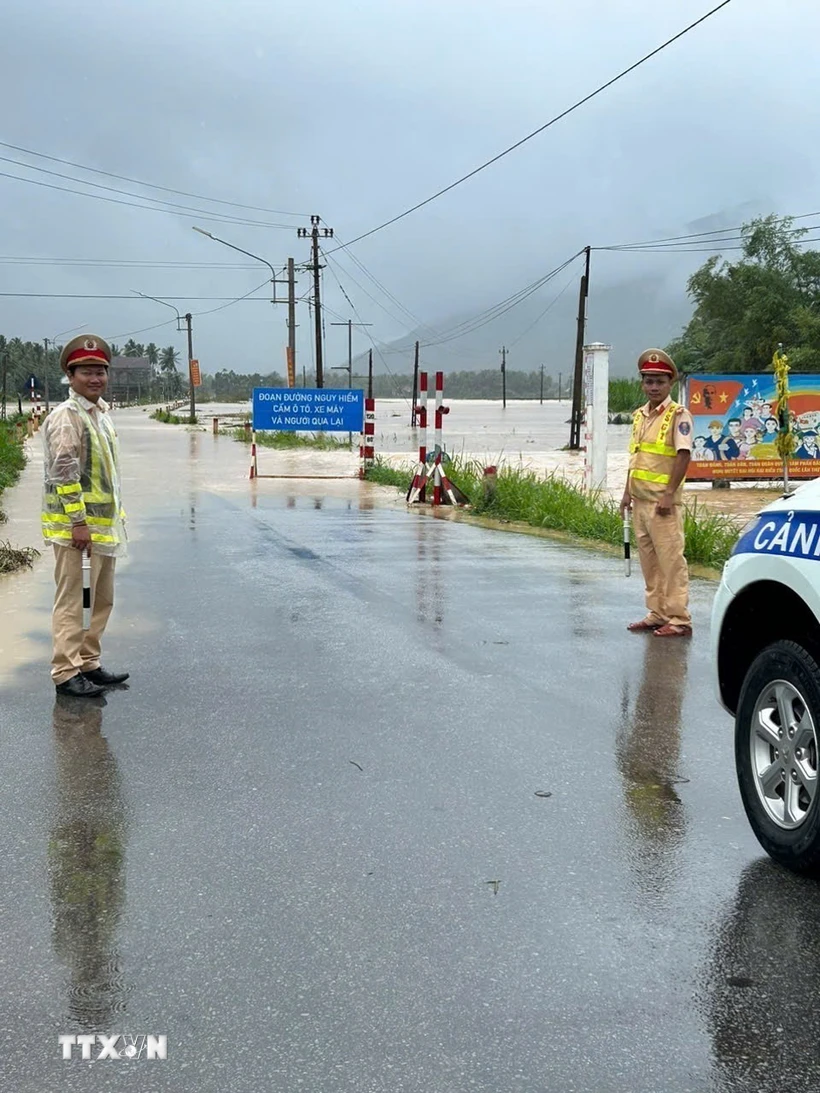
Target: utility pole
559	387
349	367
315	233
542	385
370	374
578	376
45	371
350	324
415	387
190	366
503	352
291	324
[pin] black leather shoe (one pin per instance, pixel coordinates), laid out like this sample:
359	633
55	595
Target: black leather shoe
79	687
104	678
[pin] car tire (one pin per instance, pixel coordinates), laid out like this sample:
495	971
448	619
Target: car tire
777	739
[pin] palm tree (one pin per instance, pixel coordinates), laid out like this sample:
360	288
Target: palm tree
152	353
168	359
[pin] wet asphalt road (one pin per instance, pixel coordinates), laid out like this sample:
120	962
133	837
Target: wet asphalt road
308	843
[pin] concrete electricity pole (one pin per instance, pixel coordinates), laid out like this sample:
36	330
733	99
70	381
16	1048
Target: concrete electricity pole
503	352
578	377
315	233
190	366
291	324
415	387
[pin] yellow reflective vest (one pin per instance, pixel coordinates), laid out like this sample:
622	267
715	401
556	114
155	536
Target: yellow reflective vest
81	476
652	454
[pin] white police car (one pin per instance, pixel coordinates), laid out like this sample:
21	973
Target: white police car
766	644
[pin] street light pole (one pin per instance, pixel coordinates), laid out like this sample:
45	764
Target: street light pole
165	303
273	280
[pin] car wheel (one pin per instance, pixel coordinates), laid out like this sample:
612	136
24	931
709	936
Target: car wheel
777	732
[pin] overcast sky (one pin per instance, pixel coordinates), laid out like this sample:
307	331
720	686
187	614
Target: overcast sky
357	111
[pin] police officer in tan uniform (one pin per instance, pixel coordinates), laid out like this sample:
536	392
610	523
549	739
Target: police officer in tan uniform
82	512
660	450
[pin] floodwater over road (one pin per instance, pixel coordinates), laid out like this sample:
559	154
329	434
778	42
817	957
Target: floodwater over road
391	803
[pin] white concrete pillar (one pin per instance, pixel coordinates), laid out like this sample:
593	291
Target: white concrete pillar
596	409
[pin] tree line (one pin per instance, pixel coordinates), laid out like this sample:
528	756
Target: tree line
744	309
20	360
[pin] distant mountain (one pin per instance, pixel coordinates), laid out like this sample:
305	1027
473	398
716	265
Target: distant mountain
631	317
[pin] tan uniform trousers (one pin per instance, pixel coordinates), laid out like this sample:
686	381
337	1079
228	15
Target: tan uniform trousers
77	650
665	572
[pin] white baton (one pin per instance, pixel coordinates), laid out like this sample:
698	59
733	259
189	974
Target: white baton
86	590
627	545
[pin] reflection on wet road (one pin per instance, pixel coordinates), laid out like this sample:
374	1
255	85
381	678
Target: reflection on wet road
392	803
85	858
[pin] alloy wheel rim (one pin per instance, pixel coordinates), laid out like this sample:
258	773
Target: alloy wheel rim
783	749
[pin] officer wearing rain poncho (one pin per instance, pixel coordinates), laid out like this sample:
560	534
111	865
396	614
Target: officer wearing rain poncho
82	514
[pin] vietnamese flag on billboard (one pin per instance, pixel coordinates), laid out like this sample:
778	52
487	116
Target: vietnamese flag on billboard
712	396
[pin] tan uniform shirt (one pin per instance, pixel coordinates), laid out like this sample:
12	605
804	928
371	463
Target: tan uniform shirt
679	437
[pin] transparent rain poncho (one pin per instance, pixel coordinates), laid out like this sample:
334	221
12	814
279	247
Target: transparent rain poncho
82	476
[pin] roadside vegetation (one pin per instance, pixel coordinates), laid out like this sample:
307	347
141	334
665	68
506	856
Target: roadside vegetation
524	497
173	419
12	461
625	396
322	442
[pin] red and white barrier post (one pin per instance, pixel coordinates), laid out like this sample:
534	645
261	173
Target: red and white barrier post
444	492
419	483
254	467
367	448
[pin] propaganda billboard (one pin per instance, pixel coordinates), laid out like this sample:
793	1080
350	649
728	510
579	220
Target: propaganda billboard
736	424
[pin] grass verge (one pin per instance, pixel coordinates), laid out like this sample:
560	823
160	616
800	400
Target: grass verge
12	461
173	419
551	502
319	441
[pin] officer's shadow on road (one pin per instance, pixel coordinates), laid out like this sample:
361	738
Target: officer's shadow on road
85	863
757	994
647	750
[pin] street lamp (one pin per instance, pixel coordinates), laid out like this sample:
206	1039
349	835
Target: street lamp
290	283
53	342
256	257
187	318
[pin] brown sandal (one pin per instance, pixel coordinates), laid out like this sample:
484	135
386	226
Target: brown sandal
671	631
638	627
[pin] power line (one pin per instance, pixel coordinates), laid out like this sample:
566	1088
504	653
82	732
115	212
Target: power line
83	296
420	324
148	208
542	128
695	249
502	307
147	185
144	330
113	263
367	331
693	236
414	318
547	309
230	303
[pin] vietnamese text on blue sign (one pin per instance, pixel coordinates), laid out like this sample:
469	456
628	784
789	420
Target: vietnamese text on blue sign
295	409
